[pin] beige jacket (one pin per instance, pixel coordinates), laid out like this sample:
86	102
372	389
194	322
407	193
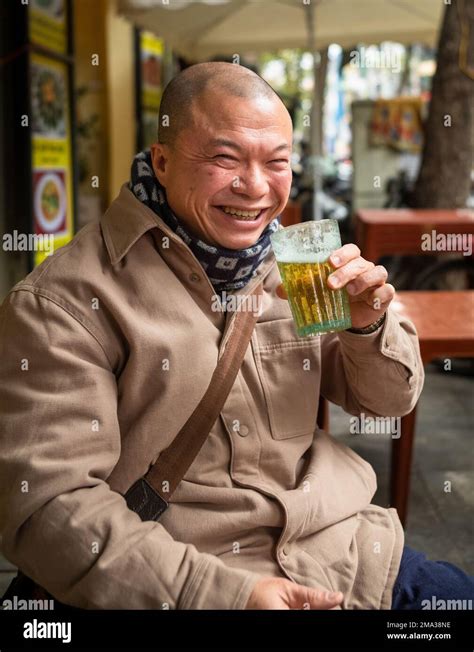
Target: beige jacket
106	348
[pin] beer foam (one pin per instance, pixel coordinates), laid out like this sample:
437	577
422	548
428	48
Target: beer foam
307	242
302	257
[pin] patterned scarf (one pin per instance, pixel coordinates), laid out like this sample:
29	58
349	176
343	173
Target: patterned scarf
227	269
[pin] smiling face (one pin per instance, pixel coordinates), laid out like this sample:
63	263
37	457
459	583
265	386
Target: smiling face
228	175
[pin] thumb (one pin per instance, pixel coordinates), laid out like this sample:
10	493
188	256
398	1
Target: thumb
281	292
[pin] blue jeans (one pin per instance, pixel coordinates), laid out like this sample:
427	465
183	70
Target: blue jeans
421	583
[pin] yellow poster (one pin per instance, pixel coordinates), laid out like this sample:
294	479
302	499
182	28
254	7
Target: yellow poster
151	55
48	24
51	152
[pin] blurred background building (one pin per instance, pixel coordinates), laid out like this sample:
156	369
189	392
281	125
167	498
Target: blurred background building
81	84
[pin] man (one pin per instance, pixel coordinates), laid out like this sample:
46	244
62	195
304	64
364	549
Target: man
110	344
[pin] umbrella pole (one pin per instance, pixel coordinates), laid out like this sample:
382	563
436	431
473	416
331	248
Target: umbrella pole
315	144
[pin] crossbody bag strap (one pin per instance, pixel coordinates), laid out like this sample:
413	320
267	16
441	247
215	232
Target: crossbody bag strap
149	495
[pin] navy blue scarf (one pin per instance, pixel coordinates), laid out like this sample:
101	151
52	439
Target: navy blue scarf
227	269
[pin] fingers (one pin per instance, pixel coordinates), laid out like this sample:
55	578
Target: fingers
324	599
351	270
381	297
304	597
374	277
280	593
343	255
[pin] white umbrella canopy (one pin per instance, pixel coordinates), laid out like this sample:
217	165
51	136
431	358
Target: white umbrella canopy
205	28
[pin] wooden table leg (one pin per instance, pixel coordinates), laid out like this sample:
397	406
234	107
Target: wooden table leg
401	466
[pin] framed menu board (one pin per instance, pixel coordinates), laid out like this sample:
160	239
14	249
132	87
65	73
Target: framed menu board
51	151
37	126
47	24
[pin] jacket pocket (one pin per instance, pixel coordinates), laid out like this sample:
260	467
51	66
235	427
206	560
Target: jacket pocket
289	371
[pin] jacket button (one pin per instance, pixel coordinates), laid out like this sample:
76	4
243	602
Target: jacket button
194	277
243	431
285	551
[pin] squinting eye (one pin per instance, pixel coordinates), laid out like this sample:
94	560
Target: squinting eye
280	160
226	156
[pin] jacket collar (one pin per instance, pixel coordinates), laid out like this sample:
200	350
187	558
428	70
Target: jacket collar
126	220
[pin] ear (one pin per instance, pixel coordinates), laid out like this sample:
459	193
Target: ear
160	161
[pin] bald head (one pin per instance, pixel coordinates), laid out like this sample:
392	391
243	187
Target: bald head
192	84
225	141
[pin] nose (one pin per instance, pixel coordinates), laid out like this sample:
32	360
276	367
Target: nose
251	182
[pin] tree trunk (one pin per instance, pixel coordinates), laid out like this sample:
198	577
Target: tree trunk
444	177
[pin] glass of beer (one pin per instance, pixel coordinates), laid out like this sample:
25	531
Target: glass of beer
302	253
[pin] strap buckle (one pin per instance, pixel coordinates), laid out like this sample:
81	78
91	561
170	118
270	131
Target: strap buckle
143	499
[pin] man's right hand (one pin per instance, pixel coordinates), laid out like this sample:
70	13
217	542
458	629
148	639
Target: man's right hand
279	593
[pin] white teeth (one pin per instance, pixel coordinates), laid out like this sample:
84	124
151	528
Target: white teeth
247	215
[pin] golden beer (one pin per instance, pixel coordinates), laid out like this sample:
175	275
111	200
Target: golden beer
302	252
315	307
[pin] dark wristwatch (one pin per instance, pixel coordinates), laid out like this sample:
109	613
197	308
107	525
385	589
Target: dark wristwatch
371	328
